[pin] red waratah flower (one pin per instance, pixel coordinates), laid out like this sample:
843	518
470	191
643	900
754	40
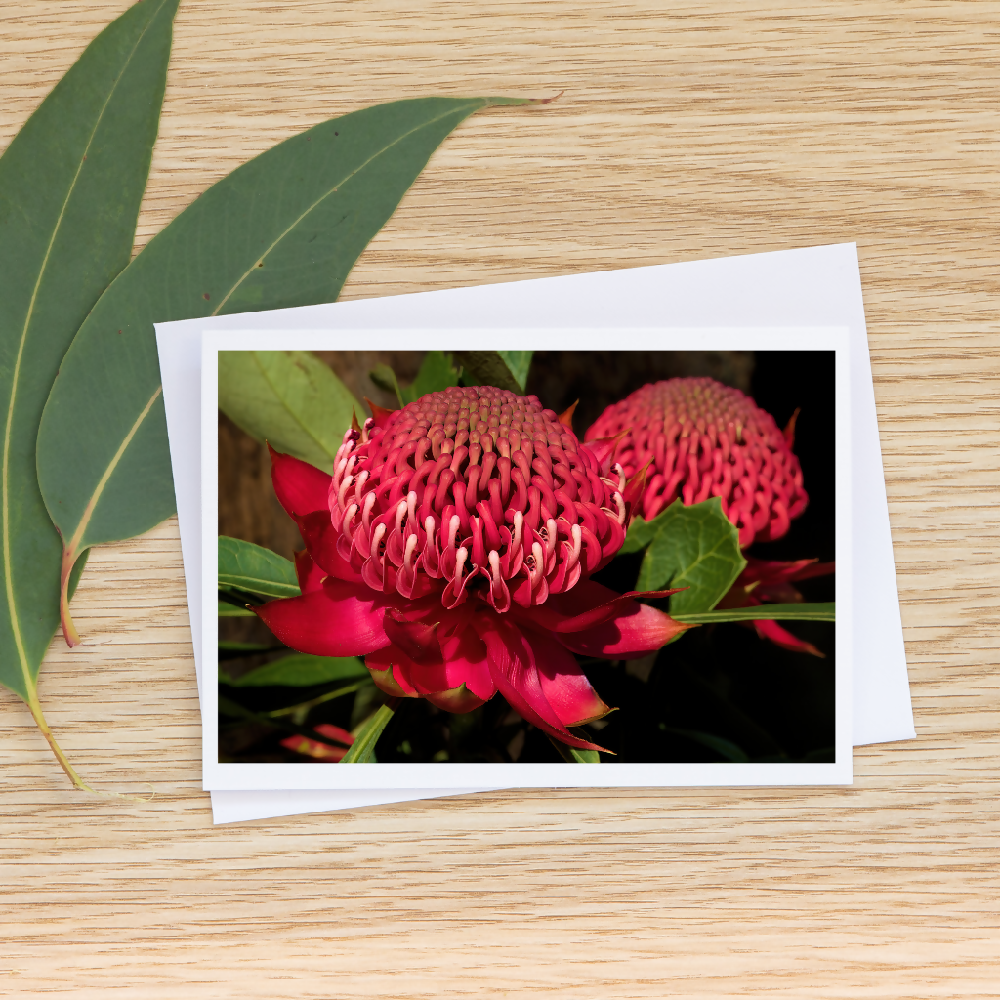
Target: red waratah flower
696	439
771	582
452	549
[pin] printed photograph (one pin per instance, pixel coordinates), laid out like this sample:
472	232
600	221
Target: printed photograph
516	557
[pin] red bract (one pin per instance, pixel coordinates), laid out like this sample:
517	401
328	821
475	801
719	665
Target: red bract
771	582
451	548
696	439
321	751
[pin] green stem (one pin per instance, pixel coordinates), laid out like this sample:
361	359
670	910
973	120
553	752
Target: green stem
367	736
306	706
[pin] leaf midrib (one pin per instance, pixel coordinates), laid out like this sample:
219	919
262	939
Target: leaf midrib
8	574
240	578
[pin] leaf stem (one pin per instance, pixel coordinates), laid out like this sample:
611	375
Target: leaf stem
367	736
35	707
69	631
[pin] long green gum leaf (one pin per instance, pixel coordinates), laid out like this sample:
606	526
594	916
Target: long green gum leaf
282	230
71	183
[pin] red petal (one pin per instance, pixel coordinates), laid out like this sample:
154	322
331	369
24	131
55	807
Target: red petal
635	631
301	488
589	604
771	630
515	672
774	572
310	575
418	662
564	684
333	621
595	621
390	670
464	656
458	700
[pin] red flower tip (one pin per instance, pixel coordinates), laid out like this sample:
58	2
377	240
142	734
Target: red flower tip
566	417
705	439
379	413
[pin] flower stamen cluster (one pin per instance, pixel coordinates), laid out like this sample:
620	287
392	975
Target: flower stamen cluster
698	439
473	491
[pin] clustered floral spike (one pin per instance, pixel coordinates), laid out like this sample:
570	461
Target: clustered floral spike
452	548
696	439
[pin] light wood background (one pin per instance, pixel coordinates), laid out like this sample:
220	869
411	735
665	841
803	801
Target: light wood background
685	131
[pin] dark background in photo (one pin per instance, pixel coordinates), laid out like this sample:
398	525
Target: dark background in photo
720	693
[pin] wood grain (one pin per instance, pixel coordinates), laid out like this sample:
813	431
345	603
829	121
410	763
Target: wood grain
684	131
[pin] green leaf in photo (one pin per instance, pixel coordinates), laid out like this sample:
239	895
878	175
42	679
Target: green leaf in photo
518	363
303	670
255	570
436	373
723	747
71	183
761	612
282	230
290	399
640	534
366	736
228	610
385	378
502	369
696	547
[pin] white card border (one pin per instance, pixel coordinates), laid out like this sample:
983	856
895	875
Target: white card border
220	776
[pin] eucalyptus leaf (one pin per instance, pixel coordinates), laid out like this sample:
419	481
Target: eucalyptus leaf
256	570
494	368
289	399
302	670
696	547
71	183
761	612
282	230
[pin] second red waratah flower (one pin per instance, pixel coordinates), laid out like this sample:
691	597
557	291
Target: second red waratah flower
452	548
696	439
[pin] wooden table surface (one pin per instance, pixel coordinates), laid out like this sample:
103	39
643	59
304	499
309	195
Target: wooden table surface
687	131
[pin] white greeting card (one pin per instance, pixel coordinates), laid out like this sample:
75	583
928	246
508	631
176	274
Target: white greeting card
818	285
520	651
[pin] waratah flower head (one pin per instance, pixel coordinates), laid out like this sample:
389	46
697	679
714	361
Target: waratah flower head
452	548
696	439
474	492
